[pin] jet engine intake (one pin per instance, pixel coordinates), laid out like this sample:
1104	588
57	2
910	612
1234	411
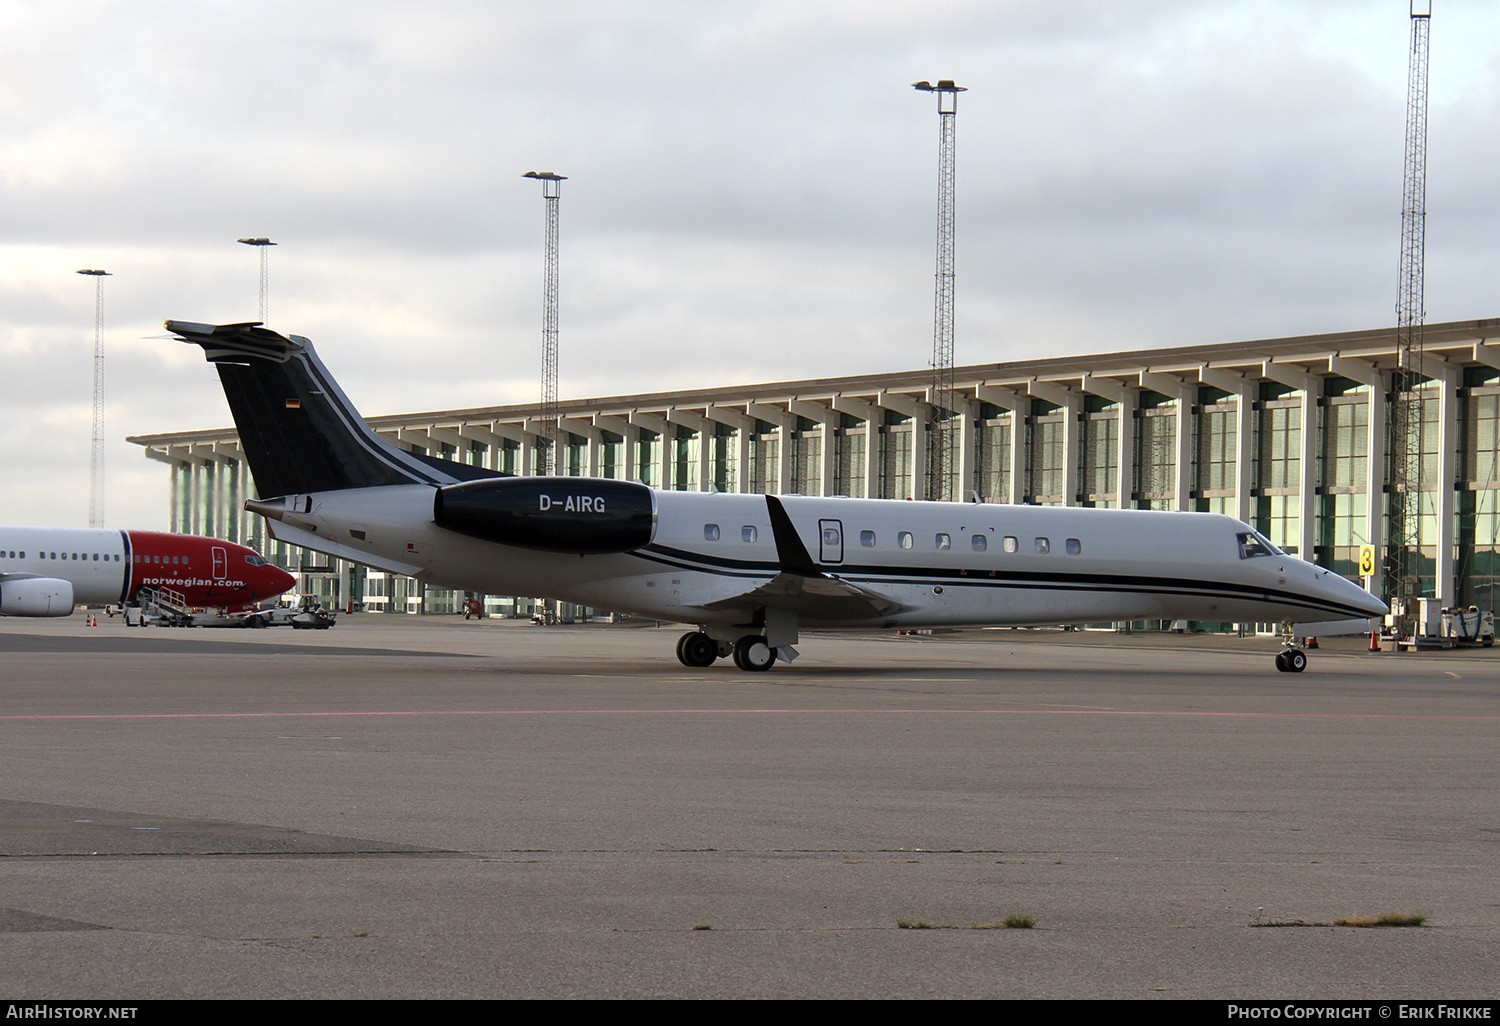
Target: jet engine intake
36	596
550	514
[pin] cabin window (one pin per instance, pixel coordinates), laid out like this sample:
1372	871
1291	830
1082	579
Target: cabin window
747	533
1043	546
904	539
867	539
1074	546
710	532
943	542
1011	544
96	557
979	542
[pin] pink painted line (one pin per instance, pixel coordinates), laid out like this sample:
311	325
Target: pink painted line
758	712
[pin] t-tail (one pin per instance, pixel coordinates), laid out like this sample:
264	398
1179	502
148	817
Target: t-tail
299	432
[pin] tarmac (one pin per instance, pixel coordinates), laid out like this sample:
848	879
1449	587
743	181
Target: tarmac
424	807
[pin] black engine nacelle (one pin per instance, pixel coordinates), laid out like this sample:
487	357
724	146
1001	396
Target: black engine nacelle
550	514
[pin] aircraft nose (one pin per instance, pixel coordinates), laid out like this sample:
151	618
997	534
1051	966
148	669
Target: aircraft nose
1372	605
278	580
1356	596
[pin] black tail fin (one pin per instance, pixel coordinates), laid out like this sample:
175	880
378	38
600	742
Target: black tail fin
298	430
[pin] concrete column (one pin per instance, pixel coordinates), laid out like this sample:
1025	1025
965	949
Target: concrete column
968	440
743	428
1018	405
1125	471
873	416
631	438
1307	485
195	510
919	443
1448	376
920	413
1311	387
785	423
1072	406
1127	397
1018	450
829	419
1375	445
523	438
1182	473
704	429
176	499
241	514
742	460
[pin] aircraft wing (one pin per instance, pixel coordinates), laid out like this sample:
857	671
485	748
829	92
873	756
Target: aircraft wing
812	598
801	587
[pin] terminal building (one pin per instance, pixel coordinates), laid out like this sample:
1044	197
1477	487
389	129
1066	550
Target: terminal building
1289	435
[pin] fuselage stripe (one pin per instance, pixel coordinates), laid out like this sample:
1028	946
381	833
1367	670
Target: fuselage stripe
1009	579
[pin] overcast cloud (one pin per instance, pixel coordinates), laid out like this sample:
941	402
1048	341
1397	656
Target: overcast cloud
752	193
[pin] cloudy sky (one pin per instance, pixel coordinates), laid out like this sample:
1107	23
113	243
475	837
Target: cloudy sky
751	194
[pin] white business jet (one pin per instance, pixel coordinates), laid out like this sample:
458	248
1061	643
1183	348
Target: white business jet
749	572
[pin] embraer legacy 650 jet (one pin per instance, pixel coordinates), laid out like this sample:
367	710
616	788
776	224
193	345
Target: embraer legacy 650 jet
46	571
749	571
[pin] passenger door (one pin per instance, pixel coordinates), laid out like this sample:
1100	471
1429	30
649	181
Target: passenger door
830	541
221	563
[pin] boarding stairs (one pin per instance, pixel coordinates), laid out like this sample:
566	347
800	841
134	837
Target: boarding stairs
165	606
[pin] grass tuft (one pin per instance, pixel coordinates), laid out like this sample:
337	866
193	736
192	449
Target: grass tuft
1020	921
703	926
1416	918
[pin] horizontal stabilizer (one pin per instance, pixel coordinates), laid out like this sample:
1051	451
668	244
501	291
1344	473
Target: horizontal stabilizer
298	430
284	532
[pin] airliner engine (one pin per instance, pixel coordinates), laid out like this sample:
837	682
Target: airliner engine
36	596
550	514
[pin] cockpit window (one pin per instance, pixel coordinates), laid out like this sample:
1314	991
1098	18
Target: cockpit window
255	561
1256	544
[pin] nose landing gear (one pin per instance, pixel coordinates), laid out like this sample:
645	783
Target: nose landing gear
1290	659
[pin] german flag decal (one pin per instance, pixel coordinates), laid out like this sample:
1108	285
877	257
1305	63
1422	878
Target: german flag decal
294	404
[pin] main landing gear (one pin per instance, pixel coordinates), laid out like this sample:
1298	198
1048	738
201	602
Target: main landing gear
1290	659
750	653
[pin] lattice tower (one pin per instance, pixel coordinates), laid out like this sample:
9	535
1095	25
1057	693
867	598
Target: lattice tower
1406	441
96	446
944	434
551	191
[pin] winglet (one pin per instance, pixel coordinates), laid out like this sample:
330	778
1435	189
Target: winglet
789	548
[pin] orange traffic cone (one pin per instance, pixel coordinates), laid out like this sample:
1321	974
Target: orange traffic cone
1374	641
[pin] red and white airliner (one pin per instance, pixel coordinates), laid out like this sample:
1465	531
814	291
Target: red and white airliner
47	571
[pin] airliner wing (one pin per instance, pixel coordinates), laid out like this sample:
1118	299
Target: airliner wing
812	598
